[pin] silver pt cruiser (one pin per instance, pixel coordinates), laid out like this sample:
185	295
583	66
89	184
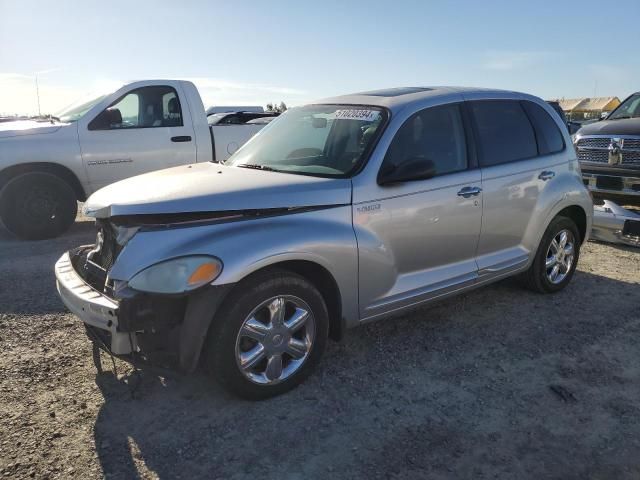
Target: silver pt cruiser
340	212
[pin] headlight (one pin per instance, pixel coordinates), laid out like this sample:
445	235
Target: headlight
178	275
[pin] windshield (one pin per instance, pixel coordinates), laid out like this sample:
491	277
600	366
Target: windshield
320	140
630	108
216	117
77	109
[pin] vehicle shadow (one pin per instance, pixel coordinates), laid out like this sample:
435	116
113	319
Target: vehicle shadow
436	391
619	246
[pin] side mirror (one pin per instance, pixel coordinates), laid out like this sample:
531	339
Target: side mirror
415	168
604	115
106	119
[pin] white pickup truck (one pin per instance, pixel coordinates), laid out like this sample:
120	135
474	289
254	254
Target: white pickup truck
46	167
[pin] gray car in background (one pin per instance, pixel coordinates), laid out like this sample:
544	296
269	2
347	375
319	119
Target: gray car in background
338	213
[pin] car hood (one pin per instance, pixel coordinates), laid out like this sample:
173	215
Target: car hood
211	187
28	127
625	126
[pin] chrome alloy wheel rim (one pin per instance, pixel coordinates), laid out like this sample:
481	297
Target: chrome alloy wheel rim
560	256
275	339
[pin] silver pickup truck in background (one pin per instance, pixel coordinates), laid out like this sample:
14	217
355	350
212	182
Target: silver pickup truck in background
46	167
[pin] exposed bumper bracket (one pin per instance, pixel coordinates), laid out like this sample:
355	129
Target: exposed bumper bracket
614	224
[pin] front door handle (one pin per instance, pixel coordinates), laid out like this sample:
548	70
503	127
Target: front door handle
181	138
467	192
546	175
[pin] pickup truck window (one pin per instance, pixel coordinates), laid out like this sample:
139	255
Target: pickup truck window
630	108
145	107
319	140
435	134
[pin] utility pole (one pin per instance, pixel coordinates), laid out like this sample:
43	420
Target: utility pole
38	95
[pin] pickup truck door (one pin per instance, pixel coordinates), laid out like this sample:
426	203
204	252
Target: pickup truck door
417	239
145	129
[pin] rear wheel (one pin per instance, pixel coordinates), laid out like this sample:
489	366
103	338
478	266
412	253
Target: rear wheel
268	336
37	205
556	259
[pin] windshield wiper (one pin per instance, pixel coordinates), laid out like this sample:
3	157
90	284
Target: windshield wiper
257	167
621	118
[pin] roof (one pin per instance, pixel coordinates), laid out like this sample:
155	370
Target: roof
395	98
586	103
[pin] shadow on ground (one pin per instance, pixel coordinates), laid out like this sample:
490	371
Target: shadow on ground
461	389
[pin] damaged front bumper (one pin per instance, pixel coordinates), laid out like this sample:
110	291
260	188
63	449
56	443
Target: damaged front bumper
94	308
615	224
166	330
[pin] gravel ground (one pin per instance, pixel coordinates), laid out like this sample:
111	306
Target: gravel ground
499	383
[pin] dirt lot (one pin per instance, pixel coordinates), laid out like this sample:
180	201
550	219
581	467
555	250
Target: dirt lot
464	389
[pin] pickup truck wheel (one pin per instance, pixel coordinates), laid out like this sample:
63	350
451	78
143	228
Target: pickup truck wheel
268	336
556	258
38	205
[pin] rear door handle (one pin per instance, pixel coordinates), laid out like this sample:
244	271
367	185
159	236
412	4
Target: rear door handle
181	138
467	192
546	175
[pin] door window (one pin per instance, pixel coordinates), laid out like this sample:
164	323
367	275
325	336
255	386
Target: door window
434	135
145	107
547	133
504	132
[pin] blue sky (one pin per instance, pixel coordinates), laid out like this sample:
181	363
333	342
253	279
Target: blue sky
253	52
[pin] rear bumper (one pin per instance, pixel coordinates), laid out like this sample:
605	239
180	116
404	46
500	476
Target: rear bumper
92	307
614	224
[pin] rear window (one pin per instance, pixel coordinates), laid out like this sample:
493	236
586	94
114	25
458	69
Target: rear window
547	133
504	132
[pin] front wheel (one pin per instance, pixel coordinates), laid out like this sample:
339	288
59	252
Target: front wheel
268	336
37	205
556	259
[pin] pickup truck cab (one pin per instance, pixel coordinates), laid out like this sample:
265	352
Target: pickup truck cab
342	212
47	166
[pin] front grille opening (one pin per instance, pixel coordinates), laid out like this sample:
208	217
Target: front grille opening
91	273
609	183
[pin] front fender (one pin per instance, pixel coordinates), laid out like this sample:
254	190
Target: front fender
59	147
324	237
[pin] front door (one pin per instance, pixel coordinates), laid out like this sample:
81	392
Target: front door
417	238
140	132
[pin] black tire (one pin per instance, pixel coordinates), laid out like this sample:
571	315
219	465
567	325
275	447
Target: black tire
223	335
37	205
535	278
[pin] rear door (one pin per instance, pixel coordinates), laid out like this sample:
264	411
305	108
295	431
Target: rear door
518	145
145	129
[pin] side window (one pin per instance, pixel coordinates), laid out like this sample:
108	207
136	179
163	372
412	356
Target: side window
145	107
435	134
129	108
504	132
171	110
547	133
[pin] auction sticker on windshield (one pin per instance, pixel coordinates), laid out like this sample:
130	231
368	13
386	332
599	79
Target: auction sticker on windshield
352	114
